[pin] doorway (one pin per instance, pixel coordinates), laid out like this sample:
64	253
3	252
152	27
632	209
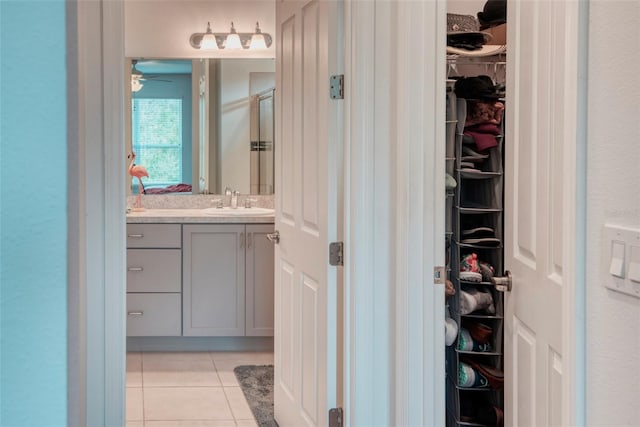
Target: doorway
411	340
537	316
198	288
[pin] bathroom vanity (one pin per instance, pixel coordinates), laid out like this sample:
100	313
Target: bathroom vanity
193	274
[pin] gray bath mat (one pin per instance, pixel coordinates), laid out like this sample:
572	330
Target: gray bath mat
257	385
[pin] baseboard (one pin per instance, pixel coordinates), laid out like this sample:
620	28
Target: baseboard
200	344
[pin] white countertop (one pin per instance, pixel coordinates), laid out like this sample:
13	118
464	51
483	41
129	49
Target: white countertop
173	216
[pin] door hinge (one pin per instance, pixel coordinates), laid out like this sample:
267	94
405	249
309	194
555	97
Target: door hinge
336	253
336	86
335	417
439	275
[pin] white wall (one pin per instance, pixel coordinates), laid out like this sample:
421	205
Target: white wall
465	7
235	113
161	28
613	168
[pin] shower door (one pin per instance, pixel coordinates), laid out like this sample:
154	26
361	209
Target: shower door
262	143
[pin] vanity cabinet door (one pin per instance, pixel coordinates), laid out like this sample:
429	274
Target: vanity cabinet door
259	281
213	302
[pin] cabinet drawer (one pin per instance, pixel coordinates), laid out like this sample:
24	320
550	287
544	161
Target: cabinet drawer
153	315
153	235
154	270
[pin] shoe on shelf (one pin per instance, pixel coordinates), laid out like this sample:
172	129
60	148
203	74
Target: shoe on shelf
480	332
478	232
468	139
467	343
470	269
481	241
470	155
486	270
467	165
477	410
449	289
473	299
450	331
450	327
450	182
490	416
470	378
493	376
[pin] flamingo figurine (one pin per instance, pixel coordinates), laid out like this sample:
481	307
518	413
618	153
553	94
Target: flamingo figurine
137	171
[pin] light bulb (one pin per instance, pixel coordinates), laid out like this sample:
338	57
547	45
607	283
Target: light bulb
232	41
208	41
136	84
257	39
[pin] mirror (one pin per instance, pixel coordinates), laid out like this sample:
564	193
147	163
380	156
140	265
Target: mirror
201	126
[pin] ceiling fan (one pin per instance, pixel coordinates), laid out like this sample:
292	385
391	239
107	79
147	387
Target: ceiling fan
137	77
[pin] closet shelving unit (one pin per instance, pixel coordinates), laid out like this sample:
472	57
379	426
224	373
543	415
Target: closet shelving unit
477	201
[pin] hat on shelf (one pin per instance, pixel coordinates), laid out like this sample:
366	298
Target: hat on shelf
485	50
465	38
478	87
494	13
463	31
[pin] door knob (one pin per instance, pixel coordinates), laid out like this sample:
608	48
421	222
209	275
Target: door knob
274	237
504	283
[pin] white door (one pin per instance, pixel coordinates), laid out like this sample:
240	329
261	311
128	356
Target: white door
540	215
307	147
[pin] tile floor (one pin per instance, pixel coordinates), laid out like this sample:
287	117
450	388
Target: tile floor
191	389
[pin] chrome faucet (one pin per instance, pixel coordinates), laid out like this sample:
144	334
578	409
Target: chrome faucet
234	199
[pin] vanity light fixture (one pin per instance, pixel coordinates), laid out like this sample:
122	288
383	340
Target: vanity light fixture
231	40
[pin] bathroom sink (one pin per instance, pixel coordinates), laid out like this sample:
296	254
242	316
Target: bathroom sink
227	211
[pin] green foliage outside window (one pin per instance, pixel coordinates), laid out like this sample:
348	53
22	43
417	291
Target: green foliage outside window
157	139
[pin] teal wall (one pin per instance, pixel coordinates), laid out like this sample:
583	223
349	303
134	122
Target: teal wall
33	214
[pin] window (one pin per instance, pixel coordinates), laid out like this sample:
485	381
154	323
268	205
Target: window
157	139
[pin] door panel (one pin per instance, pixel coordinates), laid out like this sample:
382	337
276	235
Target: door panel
309	324
310	110
285	147
285	328
306	215
259	285
213	285
524	372
538	191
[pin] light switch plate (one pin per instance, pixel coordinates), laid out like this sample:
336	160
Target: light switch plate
622	259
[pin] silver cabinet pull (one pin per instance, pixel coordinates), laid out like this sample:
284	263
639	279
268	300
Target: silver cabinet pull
135	269
249	239
274	237
135	236
135	313
242	240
